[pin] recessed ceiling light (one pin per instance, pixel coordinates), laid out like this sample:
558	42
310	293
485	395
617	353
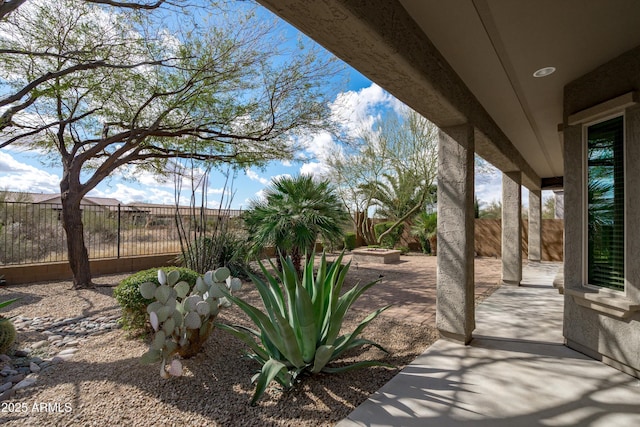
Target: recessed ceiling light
544	72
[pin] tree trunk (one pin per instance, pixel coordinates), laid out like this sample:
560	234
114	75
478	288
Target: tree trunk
76	249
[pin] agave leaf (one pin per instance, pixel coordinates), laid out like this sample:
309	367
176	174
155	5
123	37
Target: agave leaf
291	349
307	276
268	328
269	371
357	365
8	302
289	280
323	356
344	302
274	284
306	325
271	296
245	335
342	347
353	335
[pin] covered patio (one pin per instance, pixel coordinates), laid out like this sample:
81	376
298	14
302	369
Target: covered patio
515	372
548	92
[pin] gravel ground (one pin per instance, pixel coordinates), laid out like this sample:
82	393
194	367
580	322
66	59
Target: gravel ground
103	384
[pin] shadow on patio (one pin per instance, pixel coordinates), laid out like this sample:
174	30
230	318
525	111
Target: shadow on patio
516	372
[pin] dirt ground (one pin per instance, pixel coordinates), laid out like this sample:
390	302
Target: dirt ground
104	384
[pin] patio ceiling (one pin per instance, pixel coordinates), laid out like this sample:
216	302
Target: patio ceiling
473	61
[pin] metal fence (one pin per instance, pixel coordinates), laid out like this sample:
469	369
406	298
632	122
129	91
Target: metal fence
32	232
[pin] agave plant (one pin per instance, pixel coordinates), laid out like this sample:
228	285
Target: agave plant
299	332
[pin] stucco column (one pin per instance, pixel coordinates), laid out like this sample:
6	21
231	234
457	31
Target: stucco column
455	315
511	228
535	226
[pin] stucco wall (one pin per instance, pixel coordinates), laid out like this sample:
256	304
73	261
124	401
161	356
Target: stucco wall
590	325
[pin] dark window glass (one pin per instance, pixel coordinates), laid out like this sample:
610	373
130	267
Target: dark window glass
605	192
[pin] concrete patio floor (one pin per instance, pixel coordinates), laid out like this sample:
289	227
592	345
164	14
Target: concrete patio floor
516	372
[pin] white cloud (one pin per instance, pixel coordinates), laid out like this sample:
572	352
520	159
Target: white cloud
17	176
127	194
359	110
286	163
314	169
253	175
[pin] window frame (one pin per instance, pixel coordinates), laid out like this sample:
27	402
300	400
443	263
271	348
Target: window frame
603	290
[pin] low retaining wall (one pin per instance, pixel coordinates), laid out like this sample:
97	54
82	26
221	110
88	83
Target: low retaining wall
376	256
30	273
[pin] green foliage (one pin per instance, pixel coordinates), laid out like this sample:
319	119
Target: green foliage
7	330
3	304
424	229
403	250
221	249
299	330
350	241
392	166
7	335
138	92
134	315
294	213
183	316
390	240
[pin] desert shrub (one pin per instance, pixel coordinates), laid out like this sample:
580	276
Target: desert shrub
403	249
223	249
299	333
99	227
350	241
391	239
134	305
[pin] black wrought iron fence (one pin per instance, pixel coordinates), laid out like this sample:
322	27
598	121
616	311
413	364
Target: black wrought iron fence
33	233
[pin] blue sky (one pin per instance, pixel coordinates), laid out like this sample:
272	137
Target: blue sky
359	102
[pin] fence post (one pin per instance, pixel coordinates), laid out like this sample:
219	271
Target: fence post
118	238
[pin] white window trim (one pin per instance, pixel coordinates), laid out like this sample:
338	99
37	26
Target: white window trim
604	300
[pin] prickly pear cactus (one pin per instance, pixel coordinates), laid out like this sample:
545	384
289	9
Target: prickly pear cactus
183	320
7	334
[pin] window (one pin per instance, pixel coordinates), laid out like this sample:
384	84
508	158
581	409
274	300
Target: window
605	203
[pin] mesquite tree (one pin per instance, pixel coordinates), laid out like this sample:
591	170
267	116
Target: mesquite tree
99	88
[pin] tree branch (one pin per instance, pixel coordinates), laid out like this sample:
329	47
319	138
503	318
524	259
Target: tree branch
8	6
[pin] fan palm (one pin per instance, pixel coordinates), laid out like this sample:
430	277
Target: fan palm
295	211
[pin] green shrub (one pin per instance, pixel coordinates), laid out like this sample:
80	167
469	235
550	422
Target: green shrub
222	249
424	228
350	241
134	305
299	332
403	250
390	240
